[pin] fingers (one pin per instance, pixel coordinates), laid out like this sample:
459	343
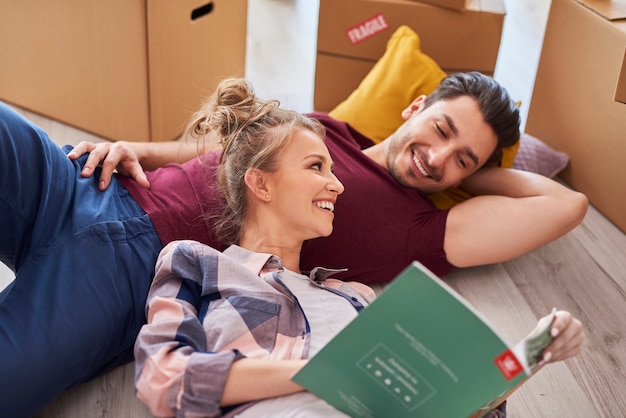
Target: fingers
110	156
136	172
97	153
568	336
108	165
83	147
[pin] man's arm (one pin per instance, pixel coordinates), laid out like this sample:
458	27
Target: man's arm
132	158
512	213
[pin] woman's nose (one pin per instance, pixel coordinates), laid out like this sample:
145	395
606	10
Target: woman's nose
335	185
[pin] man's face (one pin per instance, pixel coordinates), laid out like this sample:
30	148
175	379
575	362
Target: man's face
439	146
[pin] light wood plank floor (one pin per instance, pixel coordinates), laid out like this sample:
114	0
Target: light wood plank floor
584	271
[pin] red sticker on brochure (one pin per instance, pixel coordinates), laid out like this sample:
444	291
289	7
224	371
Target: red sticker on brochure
367	29
508	364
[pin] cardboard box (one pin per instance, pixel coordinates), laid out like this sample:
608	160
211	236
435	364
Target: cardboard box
573	108
353	34
620	91
122	69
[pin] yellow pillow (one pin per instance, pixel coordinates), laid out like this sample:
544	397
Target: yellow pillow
399	77
402	74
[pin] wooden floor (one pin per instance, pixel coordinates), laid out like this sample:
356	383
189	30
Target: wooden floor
584	271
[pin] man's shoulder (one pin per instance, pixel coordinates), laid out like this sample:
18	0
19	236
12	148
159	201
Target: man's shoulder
341	133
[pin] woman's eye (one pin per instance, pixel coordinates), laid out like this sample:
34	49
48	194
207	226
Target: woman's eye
317	166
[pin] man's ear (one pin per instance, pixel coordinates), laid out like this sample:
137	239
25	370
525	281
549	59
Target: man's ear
256	182
415	106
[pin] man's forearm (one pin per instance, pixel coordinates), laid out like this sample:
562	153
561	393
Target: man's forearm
153	155
511	183
532	209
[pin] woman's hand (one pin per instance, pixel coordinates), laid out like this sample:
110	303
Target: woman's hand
568	337
111	156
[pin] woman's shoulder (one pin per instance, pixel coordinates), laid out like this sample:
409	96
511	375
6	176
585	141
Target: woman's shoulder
195	255
188	246
187	255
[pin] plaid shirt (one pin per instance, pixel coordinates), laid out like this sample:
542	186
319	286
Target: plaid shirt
207	309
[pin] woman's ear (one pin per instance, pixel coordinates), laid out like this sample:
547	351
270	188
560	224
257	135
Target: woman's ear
256	182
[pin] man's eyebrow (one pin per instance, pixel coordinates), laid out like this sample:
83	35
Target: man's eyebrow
451	124
471	154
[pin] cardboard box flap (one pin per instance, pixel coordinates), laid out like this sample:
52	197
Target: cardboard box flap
620	92
451	4
495	6
609	9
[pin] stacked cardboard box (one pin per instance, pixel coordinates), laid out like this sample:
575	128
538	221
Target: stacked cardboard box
352	35
578	102
122	69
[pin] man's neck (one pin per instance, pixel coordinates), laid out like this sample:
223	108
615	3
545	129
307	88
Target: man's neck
378	153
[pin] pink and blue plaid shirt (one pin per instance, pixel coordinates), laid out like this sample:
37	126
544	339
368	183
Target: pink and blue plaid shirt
207	309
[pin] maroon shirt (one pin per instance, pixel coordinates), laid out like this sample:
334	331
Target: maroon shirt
380	226
180	198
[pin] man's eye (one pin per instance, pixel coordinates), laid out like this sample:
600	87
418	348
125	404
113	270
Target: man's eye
441	131
462	162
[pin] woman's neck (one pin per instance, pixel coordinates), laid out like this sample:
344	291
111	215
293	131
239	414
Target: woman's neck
288	253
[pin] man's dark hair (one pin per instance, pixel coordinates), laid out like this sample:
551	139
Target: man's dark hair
498	109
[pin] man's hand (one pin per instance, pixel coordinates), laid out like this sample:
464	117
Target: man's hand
111	156
131	158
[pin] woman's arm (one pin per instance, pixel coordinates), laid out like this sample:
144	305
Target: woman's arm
174	370
254	379
176	366
512	213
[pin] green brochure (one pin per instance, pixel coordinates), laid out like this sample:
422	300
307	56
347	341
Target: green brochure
419	350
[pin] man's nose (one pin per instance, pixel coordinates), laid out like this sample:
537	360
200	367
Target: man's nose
437	156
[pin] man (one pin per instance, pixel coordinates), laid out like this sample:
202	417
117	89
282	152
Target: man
384	219
84	256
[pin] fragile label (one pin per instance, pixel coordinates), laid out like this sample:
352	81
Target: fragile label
367	29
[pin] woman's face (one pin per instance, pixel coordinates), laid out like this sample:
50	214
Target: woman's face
304	189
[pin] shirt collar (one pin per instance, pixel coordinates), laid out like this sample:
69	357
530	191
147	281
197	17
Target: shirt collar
319	274
256	262
263	262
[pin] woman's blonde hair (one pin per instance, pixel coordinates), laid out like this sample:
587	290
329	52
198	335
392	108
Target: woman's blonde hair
252	133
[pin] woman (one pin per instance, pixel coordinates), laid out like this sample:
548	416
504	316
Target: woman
227	331
218	323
